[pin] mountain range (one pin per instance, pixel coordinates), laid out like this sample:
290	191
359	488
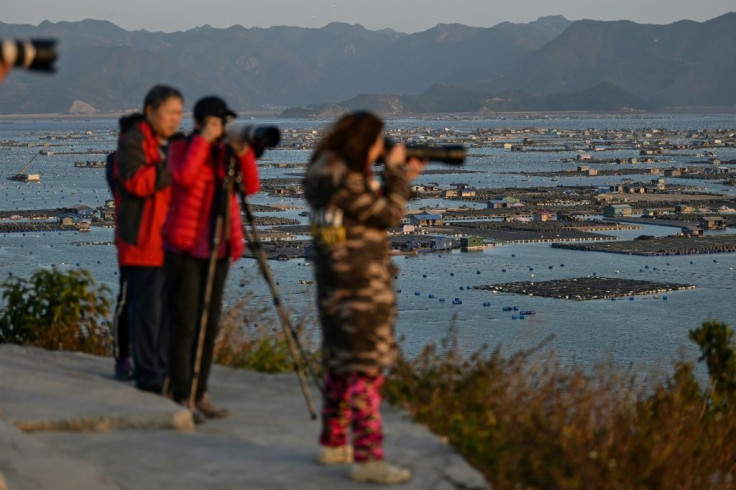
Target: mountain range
551	64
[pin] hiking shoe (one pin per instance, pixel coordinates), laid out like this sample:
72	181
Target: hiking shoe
335	454
209	409
124	369
197	416
379	472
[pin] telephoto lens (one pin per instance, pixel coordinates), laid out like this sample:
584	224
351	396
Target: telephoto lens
447	154
31	54
259	137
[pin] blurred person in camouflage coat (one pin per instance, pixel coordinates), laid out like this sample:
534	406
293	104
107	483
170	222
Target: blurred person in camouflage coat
351	212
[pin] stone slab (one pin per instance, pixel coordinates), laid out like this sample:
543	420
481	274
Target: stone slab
268	442
54	390
28	463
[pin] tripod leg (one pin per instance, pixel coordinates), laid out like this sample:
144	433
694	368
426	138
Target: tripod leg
205	312
291	339
291	336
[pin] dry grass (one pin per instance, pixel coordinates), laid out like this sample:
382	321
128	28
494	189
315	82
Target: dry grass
530	422
248	341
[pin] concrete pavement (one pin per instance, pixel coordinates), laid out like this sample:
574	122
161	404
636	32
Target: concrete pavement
66	423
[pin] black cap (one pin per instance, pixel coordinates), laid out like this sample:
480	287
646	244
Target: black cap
212	106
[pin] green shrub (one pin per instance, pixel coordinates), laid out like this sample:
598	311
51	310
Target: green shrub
718	350
56	309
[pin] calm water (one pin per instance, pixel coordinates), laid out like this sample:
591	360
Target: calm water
643	331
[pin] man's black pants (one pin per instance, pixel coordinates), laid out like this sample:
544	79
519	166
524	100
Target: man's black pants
120	331
148	326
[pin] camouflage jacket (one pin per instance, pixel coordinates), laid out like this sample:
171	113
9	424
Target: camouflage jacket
350	215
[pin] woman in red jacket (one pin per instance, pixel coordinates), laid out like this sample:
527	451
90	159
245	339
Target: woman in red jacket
198	167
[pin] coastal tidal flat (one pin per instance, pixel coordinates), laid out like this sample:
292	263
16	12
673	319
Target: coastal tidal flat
670	245
586	288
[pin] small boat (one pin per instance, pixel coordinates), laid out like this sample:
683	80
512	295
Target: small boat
25	177
457	301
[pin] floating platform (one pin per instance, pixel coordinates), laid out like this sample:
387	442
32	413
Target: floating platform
91	164
26	227
661	246
586	288
280	249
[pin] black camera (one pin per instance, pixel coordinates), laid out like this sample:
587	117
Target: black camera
447	154
31	54
259	137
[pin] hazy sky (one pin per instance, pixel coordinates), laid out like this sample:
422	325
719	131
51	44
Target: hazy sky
401	15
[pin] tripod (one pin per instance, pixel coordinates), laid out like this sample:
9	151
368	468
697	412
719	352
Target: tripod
232	178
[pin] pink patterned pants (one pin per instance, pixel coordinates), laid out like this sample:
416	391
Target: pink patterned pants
353	399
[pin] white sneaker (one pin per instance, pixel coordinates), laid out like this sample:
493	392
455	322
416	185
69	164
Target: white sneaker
379	472
335	454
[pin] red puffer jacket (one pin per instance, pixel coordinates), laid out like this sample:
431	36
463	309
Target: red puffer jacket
198	168
141	182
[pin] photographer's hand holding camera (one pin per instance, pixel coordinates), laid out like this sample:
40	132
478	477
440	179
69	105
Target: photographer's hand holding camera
213	130
36	55
199	165
412	166
351	213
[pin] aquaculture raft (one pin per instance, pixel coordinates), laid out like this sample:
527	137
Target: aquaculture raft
586	288
662	246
